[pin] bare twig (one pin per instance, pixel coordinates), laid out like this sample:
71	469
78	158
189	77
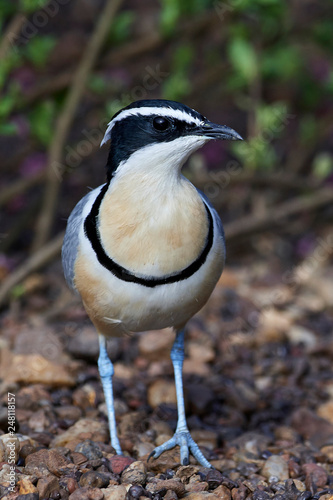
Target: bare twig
11	34
65	120
32	264
124	53
20	186
272	180
277	215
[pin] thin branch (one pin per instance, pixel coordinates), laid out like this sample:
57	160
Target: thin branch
11	34
277	215
32	264
121	55
20	186
66	118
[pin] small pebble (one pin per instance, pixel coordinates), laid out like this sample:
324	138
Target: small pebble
214	478
87	494
135	491
119	462
94	479
135	473
275	468
46	485
314	474
223	492
89	449
115	493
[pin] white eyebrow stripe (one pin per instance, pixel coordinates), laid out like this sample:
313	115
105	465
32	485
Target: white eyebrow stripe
169	112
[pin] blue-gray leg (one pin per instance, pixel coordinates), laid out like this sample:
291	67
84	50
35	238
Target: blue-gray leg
182	437
106	371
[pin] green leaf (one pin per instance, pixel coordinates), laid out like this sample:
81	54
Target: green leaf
322	165
18	291
7	103
176	87
32	5
178	84
169	16
97	84
282	62
256	154
121	28
271	118
243	58
41	121
8	129
39	48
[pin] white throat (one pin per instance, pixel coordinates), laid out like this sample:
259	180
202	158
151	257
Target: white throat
160	163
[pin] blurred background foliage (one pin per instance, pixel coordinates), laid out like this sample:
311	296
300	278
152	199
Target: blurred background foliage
263	67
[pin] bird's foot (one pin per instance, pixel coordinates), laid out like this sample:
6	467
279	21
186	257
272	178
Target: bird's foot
187	444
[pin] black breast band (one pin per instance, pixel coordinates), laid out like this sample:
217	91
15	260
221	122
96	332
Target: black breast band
92	233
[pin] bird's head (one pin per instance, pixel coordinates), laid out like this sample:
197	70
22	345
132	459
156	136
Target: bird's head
159	132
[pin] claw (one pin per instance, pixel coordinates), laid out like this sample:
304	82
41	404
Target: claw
186	444
151	455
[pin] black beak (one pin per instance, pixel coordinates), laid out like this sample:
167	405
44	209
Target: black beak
214	131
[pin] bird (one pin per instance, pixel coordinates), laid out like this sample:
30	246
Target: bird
145	250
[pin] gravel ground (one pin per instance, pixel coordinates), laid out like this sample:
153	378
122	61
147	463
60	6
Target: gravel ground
258	387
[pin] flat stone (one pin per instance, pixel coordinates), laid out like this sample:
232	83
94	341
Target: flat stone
57	464
89	449
94	479
83	429
223	492
314	474
35	463
158	485
119	462
34	369
115	493
87	494
46	485
196	487
135	473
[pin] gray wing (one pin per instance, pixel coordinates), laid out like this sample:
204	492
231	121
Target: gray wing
71	241
215	214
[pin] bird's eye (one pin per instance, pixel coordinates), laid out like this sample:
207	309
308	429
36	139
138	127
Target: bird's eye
161	123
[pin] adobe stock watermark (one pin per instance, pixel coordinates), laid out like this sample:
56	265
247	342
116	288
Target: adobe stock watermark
11	442
220	180
74	156
37	21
